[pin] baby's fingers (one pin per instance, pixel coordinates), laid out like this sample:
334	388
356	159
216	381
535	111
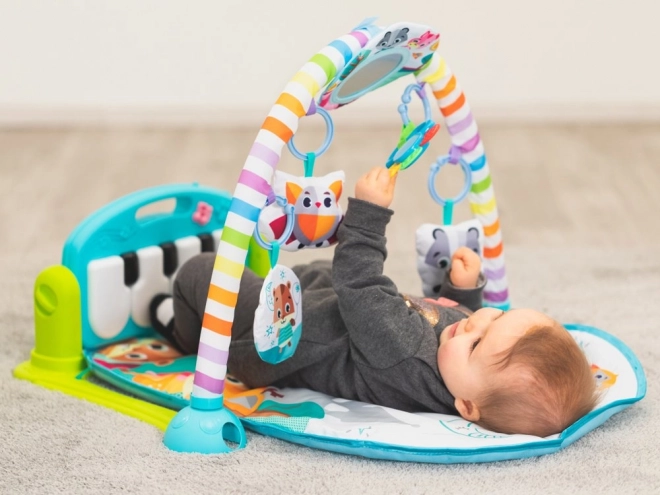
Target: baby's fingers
457	264
469	260
466	255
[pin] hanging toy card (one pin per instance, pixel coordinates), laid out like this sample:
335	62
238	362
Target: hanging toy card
278	318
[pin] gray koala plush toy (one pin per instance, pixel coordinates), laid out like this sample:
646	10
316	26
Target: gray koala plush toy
435	246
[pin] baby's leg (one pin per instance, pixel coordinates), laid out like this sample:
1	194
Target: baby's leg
190	293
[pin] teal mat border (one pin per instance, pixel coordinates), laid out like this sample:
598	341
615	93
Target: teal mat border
376	450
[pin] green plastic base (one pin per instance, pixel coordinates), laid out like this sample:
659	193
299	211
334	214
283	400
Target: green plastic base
57	361
69	383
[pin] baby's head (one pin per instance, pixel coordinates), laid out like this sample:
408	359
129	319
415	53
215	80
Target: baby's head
516	371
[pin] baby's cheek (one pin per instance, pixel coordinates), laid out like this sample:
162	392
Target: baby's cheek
445	357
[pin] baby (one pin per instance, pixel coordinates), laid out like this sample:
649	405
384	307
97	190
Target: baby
515	371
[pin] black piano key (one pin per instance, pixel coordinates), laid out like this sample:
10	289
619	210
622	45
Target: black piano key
170	258
208	244
131	268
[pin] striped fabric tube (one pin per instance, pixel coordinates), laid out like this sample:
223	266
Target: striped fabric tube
465	136
248	200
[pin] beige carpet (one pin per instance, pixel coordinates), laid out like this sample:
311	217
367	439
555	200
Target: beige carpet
579	212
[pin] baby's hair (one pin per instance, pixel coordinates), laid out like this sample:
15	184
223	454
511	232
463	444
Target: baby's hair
549	385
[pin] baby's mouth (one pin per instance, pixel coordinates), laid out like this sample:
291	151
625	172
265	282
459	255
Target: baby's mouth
452	330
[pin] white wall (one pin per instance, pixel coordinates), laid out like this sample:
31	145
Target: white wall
221	60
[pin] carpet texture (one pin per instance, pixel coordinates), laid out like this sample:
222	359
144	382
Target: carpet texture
608	277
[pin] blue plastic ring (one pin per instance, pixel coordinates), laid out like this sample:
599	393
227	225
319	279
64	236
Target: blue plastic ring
288	209
435	168
326	143
403	108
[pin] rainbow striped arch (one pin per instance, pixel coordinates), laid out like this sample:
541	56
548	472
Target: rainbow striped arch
361	61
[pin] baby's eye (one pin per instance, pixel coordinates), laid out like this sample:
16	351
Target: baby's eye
474	345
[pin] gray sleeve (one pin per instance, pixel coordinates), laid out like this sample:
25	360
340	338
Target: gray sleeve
470	298
382	329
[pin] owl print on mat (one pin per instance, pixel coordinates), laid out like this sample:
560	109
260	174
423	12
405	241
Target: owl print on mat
317	213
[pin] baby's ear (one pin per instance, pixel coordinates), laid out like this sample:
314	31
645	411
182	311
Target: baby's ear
467	409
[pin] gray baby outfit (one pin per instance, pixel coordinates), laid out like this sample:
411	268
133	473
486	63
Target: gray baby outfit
361	339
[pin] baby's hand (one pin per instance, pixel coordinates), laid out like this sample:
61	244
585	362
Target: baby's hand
376	186
465	268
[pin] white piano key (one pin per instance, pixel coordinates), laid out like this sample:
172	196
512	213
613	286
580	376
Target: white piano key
186	248
151	281
109	300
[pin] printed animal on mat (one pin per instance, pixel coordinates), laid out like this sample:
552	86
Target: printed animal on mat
179	383
136	352
604	378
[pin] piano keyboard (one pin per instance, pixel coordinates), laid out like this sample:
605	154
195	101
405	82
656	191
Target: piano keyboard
121	287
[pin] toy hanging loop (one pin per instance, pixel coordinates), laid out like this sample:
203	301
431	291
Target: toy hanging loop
274	246
406	99
414	140
308	163
448	212
274	253
448	204
329	135
454	154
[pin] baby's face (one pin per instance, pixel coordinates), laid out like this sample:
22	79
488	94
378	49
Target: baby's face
470	347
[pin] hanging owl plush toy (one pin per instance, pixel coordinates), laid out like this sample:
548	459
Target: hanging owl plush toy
302	212
316	210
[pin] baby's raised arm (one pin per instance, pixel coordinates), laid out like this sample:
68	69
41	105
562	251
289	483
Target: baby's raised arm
382	329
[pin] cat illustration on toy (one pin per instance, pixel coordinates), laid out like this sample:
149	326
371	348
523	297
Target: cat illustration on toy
423	41
283	316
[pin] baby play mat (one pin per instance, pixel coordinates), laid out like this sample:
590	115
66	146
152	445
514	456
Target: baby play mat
152	370
130	250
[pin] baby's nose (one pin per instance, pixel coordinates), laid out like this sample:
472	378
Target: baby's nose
472	325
